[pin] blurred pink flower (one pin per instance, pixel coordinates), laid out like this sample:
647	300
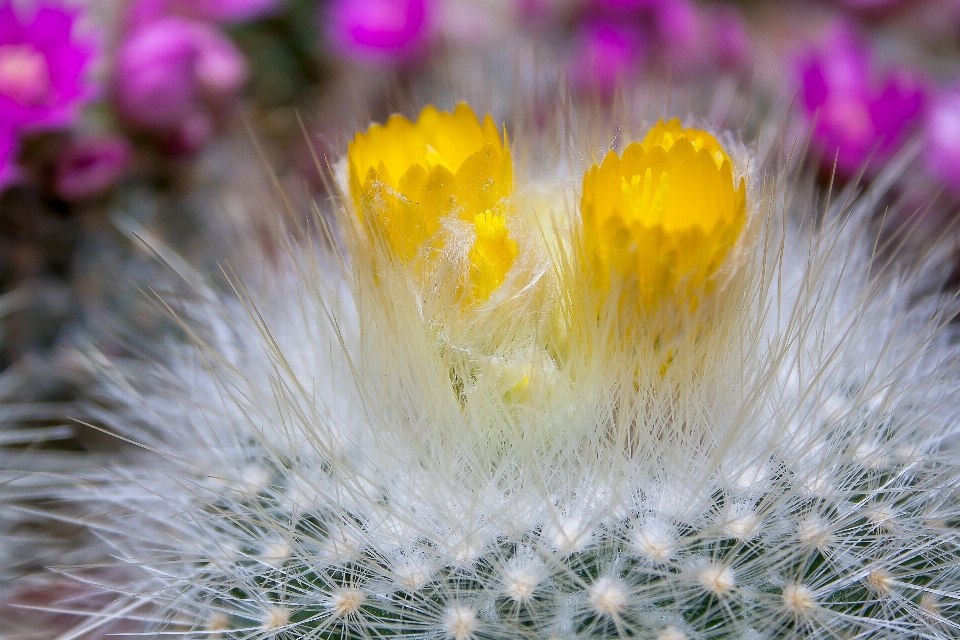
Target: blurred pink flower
605	54
681	35
942	138
730	39
42	65
856	123
379	31
177	78
89	167
677	36
8	155
141	12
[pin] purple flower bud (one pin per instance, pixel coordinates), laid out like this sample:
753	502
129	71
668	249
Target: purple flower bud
176	77
42	66
856	124
8	155
605	53
380	31
942	138
89	167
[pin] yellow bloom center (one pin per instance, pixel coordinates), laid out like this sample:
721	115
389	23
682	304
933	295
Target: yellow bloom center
492	254
405	177
664	215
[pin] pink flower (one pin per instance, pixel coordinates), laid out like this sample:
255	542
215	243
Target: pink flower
89	167
675	36
683	40
177	79
942	138
731	44
8	155
42	65
606	53
379	31
856	123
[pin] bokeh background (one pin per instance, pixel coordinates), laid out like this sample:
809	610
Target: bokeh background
122	119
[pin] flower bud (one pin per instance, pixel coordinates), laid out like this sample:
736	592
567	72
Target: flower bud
661	218
175	74
406	177
89	167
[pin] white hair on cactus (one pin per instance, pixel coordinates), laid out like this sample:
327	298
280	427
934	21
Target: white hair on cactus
337	450
654	540
799	599
716	578
608	597
460	622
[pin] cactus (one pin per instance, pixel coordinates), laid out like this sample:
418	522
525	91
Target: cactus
369	444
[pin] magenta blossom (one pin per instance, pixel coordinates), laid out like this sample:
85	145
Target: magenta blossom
874	7
682	37
730	39
8	155
89	167
605	54
379	31
177	79
942	138
42	67
857	123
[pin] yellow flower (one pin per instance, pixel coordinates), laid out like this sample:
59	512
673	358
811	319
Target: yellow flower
664	215
491	256
405	177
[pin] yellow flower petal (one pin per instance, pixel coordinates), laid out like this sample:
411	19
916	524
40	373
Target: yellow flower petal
405	177
492	255
662	217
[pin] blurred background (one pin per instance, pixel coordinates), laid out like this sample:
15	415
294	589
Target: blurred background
120	118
